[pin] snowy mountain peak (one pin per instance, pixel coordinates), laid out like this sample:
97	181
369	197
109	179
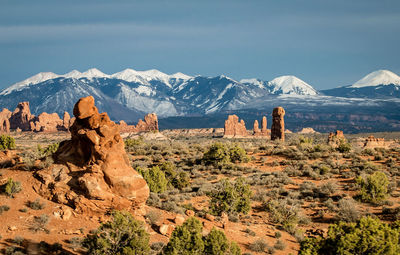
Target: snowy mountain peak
254	81
380	77
38	78
73	74
94	73
289	84
181	76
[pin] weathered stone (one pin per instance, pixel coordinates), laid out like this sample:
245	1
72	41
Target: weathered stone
179	219
189	213
256	129
372	142
150	123
21	117
278	124
46	122
97	165
307	131
66	121
234	128
5	115
335	139
264	125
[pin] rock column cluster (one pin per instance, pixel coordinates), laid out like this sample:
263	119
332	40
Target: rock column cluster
234	128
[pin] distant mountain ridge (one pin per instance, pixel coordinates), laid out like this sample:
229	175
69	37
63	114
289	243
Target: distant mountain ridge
129	94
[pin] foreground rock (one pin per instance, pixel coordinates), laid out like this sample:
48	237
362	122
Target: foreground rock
92	169
278	124
234	128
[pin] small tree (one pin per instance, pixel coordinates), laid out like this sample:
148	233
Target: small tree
375	188
217	154
238	154
186	239
7	142
155	178
230	197
122	235
216	243
367	236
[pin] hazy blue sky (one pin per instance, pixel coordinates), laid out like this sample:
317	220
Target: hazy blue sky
325	43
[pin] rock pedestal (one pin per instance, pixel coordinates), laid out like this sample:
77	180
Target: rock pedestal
278	124
93	165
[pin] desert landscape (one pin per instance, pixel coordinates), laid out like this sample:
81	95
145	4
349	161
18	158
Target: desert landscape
237	190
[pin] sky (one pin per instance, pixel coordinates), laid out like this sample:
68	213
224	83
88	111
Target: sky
325	43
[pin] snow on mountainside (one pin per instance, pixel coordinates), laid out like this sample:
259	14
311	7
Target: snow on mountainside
380	77
290	84
38	78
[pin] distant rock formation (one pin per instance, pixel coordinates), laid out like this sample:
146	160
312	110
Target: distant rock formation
264	131
307	131
335	139
5	115
92	169
234	128
46	122
372	142
278	124
21	117
150	123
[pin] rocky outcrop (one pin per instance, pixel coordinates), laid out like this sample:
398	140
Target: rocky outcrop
93	168
372	142
46	122
21	117
67	121
264	131
278	124
337	138
234	128
150	123
5	115
307	131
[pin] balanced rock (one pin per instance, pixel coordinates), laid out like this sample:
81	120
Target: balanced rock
93	165
21	117
5	115
234	128
278	124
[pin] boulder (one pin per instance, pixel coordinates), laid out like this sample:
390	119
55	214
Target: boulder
278	124
93	166
21	117
234	128
5	115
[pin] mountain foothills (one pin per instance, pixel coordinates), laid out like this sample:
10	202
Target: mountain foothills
183	101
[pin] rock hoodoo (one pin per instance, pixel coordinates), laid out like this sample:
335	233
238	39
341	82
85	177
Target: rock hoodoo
21	117
256	128
93	166
278	124
234	128
150	123
335	139
5	114
264	131
264	125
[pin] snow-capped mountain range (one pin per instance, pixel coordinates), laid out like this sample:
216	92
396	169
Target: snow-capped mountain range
129	94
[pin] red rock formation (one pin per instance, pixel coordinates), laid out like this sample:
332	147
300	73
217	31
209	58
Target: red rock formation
21	117
264	125
335	139
372	142
5	115
46	122
234	128
66	121
278	124
93	167
150	123
256	129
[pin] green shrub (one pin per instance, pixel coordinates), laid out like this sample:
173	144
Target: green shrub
132	144
230	197
7	142
219	154
12	187
258	246
344	147
374	189
367	236
123	235
35	205
177	179
155	178
284	213
187	240
47	151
